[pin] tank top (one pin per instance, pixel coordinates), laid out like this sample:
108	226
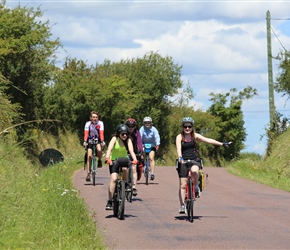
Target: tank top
119	151
188	150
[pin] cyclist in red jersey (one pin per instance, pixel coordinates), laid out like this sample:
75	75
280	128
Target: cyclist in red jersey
138	148
94	129
186	149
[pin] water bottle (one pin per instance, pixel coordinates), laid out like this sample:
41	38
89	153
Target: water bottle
121	175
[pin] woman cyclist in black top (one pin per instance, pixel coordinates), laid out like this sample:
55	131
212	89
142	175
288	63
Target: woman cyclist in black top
186	149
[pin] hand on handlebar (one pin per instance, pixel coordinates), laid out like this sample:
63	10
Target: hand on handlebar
157	147
135	162
109	161
103	144
85	144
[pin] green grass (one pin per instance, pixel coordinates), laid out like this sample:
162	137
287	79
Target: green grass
273	170
40	209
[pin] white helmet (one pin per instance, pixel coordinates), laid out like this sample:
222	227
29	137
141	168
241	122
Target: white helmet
147	119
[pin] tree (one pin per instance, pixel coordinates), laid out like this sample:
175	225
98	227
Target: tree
26	57
283	79
230	123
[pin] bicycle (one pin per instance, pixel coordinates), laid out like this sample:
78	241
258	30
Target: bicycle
119	196
129	194
192	192
94	167
147	169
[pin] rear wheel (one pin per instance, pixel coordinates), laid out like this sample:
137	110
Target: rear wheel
121	200
190	201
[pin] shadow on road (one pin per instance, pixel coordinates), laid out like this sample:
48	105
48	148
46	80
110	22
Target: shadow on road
184	217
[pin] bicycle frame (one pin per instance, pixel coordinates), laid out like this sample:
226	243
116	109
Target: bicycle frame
146	166
189	192
94	167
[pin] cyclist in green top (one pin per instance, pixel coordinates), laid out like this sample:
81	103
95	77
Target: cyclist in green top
117	156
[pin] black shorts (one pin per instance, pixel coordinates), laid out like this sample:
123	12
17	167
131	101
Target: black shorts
119	163
182	169
90	145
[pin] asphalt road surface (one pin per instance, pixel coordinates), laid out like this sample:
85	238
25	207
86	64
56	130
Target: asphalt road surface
232	213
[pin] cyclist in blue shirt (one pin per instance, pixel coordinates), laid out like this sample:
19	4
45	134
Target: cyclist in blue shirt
150	134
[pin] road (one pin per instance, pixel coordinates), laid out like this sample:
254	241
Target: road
232	213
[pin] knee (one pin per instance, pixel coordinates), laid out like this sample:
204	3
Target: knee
183	185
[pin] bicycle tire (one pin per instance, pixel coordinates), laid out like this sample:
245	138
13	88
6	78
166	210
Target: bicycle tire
129	194
121	200
115	201
94	170
190	201
146	172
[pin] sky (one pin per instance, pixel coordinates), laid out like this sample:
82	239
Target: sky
219	44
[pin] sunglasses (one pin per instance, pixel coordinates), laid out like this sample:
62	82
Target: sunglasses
147	122
123	134
187	126
131	126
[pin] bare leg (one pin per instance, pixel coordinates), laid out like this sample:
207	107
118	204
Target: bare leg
89	159
152	161
112	185
134	168
182	186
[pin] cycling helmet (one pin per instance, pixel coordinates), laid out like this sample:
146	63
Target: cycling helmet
147	119
131	121
187	119
121	128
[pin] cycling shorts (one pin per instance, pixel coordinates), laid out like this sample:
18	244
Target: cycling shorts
182	169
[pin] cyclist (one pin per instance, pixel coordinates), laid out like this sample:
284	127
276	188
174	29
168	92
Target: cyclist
138	148
187	150
150	134
94	129
117	155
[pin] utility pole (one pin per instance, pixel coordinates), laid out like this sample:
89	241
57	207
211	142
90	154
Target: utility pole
270	71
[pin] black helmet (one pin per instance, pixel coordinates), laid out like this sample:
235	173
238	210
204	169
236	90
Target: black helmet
121	128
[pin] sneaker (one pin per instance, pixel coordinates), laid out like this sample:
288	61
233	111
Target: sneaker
127	187
109	205
88	178
135	192
182	209
152	177
100	163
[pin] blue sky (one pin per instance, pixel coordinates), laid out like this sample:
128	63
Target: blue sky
220	44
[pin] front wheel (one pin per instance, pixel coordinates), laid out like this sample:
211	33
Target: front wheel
121	200
146	171
94	170
190	201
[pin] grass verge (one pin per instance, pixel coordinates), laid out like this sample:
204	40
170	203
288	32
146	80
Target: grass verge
40	209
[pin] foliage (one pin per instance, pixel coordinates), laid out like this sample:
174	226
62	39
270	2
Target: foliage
40	209
129	88
282	82
26	57
8	112
279	126
230	122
